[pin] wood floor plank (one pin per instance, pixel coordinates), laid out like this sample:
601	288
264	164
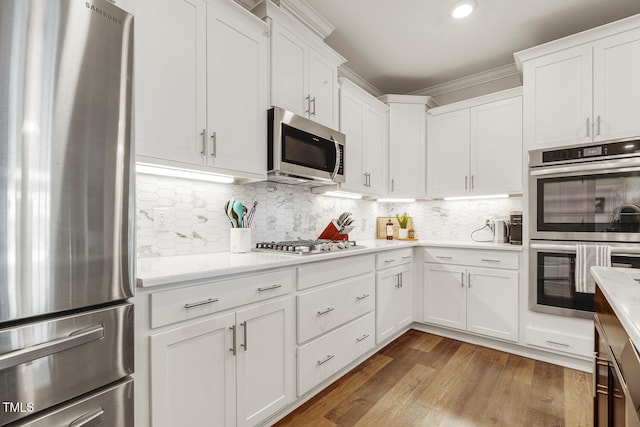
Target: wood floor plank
547	389
349	411
315	409
578	406
387	411
425	380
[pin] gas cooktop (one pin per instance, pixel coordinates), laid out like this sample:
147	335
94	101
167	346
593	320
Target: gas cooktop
306	247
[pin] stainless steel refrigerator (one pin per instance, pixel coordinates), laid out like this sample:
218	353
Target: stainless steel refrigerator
66	237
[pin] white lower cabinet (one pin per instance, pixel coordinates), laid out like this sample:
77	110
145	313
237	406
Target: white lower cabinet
232	369
475	299
323	357
394	293
336	322
193	374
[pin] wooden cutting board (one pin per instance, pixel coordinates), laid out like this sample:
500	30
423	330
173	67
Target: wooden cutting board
381	226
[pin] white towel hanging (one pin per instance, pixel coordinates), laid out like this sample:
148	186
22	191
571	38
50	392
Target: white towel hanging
588	256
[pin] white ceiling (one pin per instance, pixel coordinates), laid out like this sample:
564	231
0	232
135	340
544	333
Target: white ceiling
402	46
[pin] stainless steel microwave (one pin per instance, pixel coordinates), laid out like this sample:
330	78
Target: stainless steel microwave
301	151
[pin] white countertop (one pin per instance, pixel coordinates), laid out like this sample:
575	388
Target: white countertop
623	293
158	271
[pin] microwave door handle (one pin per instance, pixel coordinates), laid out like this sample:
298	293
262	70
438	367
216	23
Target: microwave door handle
338	159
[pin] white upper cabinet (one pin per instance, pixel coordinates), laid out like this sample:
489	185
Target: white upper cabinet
583	88
201	98
407	151
304	70
363	119
474	147
448	153
496	147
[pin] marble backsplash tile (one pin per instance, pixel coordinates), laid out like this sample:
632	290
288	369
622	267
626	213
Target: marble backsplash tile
195	221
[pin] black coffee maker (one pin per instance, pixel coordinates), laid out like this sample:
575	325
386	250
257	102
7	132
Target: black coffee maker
515	229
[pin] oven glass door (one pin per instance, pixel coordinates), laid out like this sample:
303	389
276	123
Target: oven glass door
590	203
593	201
553	286
309	151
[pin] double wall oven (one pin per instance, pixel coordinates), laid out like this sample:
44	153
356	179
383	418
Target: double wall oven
583	194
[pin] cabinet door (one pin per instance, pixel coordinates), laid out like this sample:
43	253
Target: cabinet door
404	297
558	98
237	69
496	147
170	84
266	365
492	302
289	71
448	154
323	89
352	116
375	149
407	149
445	296
193	375
616	86
387	283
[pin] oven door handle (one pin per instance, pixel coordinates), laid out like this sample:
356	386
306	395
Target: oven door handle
618	250
599	167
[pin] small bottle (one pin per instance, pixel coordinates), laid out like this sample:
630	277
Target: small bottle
389	230
412	233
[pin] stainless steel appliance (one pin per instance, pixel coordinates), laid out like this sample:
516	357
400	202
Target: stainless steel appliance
306	247
589	193
301	151
580	194
515	229
66	235
552	268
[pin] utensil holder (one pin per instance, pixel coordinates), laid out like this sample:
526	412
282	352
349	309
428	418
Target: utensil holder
240	240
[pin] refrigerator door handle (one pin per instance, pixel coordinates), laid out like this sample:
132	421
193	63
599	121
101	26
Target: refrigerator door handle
96	414
74	339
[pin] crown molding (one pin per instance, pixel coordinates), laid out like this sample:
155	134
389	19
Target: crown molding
349	74
301	10
497	73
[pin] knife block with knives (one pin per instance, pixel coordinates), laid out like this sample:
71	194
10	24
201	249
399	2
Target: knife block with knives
338	229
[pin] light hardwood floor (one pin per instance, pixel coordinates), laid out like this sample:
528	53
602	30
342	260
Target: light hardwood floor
422	379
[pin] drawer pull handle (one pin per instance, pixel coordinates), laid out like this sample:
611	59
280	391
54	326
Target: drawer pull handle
86	419
328	310
326	359
74	339
362	338
363	296
490	260
558	343
197	304
387	261
406	257
443	257
269	288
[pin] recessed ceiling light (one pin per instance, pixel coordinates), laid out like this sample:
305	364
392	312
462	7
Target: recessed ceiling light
462	9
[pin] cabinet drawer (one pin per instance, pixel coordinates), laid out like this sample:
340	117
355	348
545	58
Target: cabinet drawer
393	258
190	302
321	358
473	257
323	309
319	273
581	346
